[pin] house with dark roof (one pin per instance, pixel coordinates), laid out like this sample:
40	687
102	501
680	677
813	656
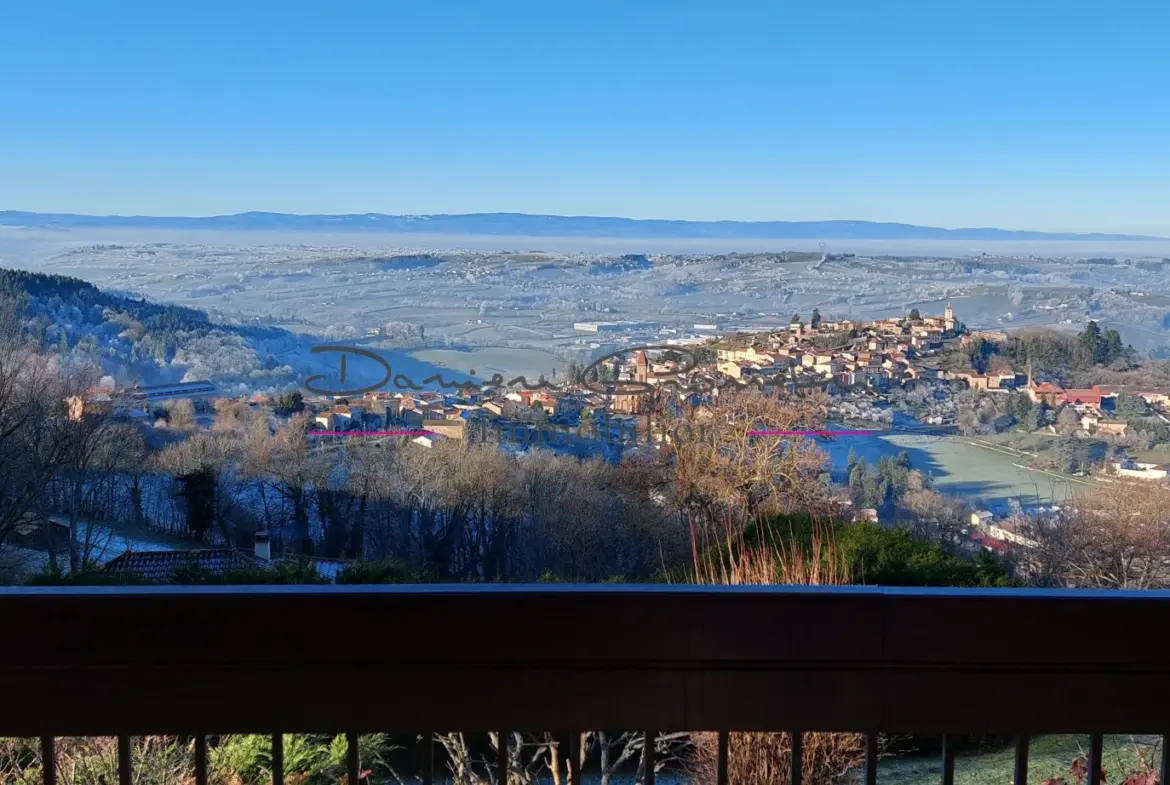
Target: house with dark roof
38	532
162	566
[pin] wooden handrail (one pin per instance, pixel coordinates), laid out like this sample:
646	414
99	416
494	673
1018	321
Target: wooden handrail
224	659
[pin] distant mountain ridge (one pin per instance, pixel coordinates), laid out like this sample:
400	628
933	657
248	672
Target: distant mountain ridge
522	224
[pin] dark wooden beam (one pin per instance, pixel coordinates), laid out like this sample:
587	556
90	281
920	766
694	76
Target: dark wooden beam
181	660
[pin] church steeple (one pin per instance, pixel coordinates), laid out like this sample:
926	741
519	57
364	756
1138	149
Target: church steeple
641	367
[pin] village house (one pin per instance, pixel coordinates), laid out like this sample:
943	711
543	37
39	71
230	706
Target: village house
975	381
95	400
730	368
985	381
450	429
348	416
828	366
816	358
1141	471
327	421
981	518
567	404
854	377
412	418
1009	532
1155	396
630	402
1093	397
989	543
163	566
1112	427
38	532
1050	394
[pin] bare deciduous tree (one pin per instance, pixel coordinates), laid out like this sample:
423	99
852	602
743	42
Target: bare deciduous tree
1114	536
181	415
722	470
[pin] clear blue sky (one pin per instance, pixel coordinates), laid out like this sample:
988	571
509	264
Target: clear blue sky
1042	114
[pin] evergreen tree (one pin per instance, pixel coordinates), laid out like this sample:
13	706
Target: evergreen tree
1114	349
1032	418
1100	347
870	492
198	488
586	426
815	320
1091	336
1128	406
289	403
857	478
1070	453
915	315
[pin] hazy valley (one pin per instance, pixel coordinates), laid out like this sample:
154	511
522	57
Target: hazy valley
489	308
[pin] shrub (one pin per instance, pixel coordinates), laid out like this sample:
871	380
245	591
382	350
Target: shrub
386	571
776	555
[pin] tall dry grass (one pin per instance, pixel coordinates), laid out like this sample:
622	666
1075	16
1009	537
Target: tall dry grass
774	556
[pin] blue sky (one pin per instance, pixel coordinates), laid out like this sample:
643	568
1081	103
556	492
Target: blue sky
1038	114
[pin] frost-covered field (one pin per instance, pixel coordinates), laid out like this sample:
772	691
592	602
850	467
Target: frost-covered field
475	295
959	468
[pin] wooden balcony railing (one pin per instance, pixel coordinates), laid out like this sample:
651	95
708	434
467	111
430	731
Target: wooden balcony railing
212	660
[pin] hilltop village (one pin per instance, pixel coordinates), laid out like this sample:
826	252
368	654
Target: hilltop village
867	369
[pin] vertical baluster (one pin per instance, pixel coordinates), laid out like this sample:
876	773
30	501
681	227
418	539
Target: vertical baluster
502	758
352	759
124	777
1021	777
797	767
575	758
1164	774
871	758
201	760
721	760
278	759
1095	745
948	761
651	740
428	758
49	760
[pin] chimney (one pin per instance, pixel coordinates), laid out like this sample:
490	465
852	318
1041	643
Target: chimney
263	547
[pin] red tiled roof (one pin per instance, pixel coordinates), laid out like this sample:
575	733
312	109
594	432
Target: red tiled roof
998	546
1082	396
161	566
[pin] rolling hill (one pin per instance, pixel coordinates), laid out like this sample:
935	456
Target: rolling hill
520	224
